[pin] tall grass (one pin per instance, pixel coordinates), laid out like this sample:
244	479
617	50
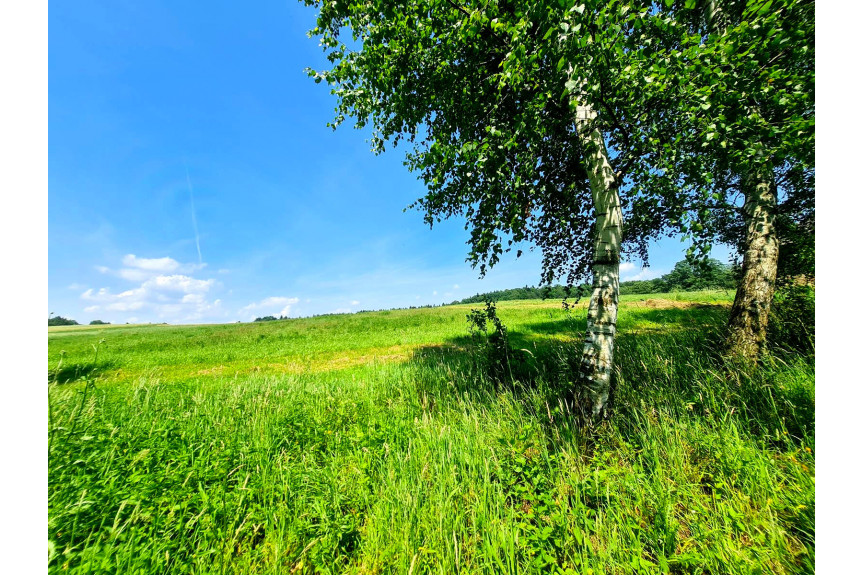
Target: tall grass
426	462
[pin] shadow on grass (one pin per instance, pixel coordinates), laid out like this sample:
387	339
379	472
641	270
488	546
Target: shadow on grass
667	361
637	318
77	371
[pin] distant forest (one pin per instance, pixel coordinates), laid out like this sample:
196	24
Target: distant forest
711	274
60	320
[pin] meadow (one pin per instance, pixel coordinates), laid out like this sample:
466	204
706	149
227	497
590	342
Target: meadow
393	442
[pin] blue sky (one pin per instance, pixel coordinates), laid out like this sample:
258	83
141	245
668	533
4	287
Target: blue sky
192	178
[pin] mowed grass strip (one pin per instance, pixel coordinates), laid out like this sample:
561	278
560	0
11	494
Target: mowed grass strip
422	462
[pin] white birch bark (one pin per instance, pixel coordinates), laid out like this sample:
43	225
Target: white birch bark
598	353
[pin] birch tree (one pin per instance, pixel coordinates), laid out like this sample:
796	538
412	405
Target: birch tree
538	123
750	115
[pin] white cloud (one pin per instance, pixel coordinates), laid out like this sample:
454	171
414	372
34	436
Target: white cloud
134	275
271	304
180	283
277	301
141	269
455	286
193	298
127	306
629	272
161	265
434	292
355	302
89	295
340	310
170	296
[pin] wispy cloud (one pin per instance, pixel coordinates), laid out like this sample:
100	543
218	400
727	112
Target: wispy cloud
194	216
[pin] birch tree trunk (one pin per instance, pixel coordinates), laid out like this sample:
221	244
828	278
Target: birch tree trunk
598	353
748	322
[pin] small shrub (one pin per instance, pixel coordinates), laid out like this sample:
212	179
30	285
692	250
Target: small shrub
495	344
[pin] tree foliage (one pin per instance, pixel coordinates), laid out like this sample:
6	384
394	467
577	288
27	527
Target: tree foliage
751	103
60	320
484	93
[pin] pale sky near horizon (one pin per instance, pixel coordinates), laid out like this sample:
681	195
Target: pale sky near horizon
192	178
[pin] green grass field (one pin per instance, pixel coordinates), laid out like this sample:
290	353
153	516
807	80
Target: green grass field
388	442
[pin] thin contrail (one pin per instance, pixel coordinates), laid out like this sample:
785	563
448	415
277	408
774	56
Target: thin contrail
194	219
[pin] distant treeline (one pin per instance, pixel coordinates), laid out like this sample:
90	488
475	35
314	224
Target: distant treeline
526	292
711	274
60	320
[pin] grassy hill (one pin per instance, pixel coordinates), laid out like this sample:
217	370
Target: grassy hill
390	442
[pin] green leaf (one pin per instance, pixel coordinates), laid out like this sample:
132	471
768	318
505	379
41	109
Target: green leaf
561	63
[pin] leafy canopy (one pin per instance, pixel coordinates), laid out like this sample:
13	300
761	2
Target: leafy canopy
752	104
484	94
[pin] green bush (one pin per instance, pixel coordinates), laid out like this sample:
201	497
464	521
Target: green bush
494	345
